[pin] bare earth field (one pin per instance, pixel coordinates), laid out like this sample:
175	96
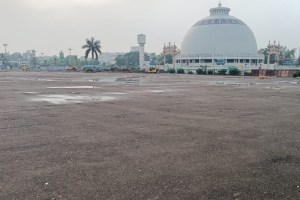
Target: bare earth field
117	136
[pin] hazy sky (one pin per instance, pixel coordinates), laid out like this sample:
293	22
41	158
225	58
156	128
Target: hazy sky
49	26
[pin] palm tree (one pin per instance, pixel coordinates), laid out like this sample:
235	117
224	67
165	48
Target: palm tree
92	46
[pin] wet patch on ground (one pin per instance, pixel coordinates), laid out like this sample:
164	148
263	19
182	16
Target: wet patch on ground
148	136
68	99
73	87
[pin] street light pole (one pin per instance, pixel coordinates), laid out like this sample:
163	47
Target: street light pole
42	60
5	46
70	50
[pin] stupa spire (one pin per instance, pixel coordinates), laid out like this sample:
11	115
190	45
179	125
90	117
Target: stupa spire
220	10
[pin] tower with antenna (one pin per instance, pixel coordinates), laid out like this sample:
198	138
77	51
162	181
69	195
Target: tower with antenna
141	42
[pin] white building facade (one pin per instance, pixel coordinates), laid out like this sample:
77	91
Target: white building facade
219	40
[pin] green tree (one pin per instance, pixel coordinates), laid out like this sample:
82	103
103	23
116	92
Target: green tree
130	60
234	71
272	57
55	61
34	61
16	56
285	54
172	70
180	71
159	59
120	61
61	58
169	59
199	71
92	46
154	59
2	58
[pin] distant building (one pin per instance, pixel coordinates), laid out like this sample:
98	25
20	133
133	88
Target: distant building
62	58
109	58
135	49
28	55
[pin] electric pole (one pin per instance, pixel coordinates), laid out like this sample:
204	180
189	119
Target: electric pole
70	50
5	46
299	58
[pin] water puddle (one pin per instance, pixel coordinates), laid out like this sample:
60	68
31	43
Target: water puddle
35	79
274	87
155	91
67	99
114	93
72	87
48	80
30	92
107	80
229	83
128	79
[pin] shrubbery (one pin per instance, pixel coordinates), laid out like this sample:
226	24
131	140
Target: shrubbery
88	70
296	75
199	71
180	71
247	74
162	71
234	71
222	72
113	69
171	71
210	72
190	72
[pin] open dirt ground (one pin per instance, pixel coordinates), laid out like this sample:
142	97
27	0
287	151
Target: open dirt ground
148	137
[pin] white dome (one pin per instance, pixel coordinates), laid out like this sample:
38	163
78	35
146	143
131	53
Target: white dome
220	33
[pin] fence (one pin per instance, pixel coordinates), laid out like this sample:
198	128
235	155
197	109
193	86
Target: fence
277	73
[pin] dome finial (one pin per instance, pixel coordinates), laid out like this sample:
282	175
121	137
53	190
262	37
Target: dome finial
220	4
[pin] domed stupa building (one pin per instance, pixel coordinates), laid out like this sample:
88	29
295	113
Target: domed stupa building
219	40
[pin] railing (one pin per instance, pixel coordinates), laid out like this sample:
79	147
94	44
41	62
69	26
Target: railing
241	65
197	56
